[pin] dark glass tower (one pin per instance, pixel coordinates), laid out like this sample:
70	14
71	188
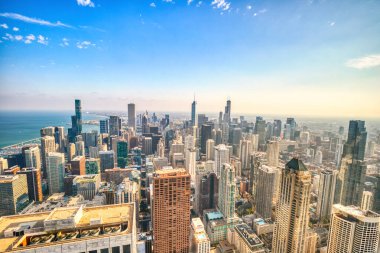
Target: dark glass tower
78	115
193	112
205	135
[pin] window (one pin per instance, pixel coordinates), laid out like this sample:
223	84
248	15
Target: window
126	248
116	249
104	251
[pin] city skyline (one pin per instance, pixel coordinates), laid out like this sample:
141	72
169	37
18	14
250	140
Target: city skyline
305	57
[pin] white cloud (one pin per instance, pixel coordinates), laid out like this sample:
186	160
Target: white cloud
84	44
5	26
153	5
221	4
9	36
332	23
199	4
249	7
29	38
168	1
64	43
262	11
18	37
365	62
16	29
42	40
189	2
33	20
88	3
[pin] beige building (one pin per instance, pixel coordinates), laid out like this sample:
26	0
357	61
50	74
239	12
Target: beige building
13	194
353	230
80	229
55	171
171	210
292	209
199	241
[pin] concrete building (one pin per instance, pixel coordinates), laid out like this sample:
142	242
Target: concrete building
222	155
78	165
47	146
367	201
3	165
245	240
353	230
273	153
245	151
265	190
13	194
210	144
132	116
326	191
200	243
79	148
55	172
92	166
191	156
292	209
32	156
206	191
86	185
171	202
107	160
147	146
33	178
227	190
101	229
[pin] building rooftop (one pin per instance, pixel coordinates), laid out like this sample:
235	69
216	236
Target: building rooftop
248	235
354	212
296	164
214	216
17	229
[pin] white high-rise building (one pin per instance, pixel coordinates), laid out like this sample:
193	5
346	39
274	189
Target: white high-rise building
353	230
55	171
227	190
200	243
318	157
326	190
273	153
245	151
189	142
305	138
191	163
210	144
79	148
255	142
222	155
3	164
47	146
33	157
292	209
161	148
367	201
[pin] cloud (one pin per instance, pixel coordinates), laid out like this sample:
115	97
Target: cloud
153	5
189	2
64	43
249	7
33	20
8	37
365	62
42	40
221	4
16	29
88	3
332	23
168	1
199	4
84	44
18	37
29	38
5	26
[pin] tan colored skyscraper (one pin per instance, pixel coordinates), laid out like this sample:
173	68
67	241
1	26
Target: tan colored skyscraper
47	146
353	230
292	214
171	210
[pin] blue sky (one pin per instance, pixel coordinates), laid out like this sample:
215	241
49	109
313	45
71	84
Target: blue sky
270	57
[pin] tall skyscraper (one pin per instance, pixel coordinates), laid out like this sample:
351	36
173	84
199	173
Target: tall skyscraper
227	189
55	172
205	135
191	155
78	165
78	115
33	178
122	153
245	151
103	126
352	168
277	125
79	148
145	123
147	145
114	125
206	191
260	131
107	160
353	230
132	115
59	135
292	127
273	153
171	210
326	191
210	144
292	209
47	146
227	112
265	190
13	194
193	113
222	155
32	157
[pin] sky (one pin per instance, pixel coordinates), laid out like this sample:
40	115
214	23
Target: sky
302	57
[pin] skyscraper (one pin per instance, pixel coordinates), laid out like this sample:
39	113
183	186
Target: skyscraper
132	115
122	153
32	157
326	191
292	127
147	145
171	210
47	146
353	230
193	113
292	209
205	135
277	124
78	115
114	125
33	178
78	165
206	191
227	189
260	130
245	151
191	162
227	112
265	189
107	160
55	172
210	144
352	168
13	194
222	155
273	153
103	126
